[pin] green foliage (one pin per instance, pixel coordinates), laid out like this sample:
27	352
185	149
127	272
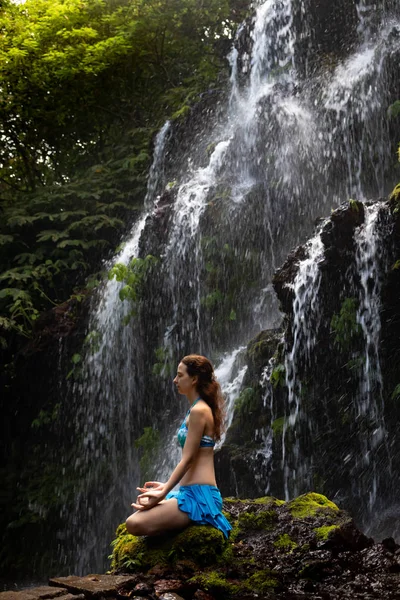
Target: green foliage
278	425
354	205
133	276
247	401
46	417
278	376
84	84
164	366
394	109
344	325
395	196
148	443
396	392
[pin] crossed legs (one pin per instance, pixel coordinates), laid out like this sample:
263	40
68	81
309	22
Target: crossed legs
161	518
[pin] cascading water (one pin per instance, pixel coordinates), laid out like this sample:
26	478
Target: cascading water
109	419
282	152
371	265
306	317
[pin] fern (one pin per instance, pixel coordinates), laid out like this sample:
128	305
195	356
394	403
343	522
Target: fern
6	239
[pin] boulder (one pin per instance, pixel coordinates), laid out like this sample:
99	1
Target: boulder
276	549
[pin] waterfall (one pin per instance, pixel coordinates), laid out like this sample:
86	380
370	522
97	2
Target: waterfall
364	458
265	453
230	378
279	152
371	265
107	421
353	99
306	320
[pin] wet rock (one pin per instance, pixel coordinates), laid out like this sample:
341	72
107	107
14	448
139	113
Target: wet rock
94	585
200	595
142	589
39	593
170	596
163	586
306	548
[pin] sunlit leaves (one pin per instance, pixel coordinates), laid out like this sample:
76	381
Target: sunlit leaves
133	277
84	84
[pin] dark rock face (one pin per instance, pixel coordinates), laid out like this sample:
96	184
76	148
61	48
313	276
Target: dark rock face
331	433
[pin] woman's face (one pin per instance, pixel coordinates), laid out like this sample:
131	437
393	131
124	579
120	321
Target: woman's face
183	381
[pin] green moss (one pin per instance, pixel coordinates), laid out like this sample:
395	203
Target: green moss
268	500
394	198
212	300
262	581
232	500
353	204
247	401
285	543
148	444
277	426
203	543
344	325
181	113
278	376
323	533
215	583
265	520
210	148
310	505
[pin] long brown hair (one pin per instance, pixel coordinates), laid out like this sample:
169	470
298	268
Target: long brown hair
208	388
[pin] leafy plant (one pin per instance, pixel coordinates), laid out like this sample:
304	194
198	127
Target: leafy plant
278	376
396	392
148	443
344	325
132	276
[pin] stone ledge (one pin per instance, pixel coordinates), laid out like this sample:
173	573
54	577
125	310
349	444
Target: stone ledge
92	585
40	593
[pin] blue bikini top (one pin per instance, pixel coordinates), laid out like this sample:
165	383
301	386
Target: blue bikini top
205	442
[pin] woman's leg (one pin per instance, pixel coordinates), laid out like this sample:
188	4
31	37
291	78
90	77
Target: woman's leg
155	521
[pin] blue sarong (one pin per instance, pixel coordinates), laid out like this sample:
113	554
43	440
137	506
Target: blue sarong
203	504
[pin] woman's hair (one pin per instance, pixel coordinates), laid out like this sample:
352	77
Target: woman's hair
208	388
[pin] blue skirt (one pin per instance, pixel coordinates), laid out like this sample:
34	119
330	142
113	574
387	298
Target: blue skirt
203	504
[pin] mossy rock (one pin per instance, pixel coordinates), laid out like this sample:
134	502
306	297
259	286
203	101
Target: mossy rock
300	539
324	533
312	505
216	583
265	519
263	581
204	544
261	348
284	542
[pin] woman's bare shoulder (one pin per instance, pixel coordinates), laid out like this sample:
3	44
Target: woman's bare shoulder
201	407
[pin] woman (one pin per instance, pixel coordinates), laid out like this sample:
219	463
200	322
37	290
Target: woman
198	500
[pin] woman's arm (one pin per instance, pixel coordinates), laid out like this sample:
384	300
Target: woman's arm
197	423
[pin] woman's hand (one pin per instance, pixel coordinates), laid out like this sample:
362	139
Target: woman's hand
151	497
153	485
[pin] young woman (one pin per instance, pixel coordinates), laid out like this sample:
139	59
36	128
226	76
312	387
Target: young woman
198	500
